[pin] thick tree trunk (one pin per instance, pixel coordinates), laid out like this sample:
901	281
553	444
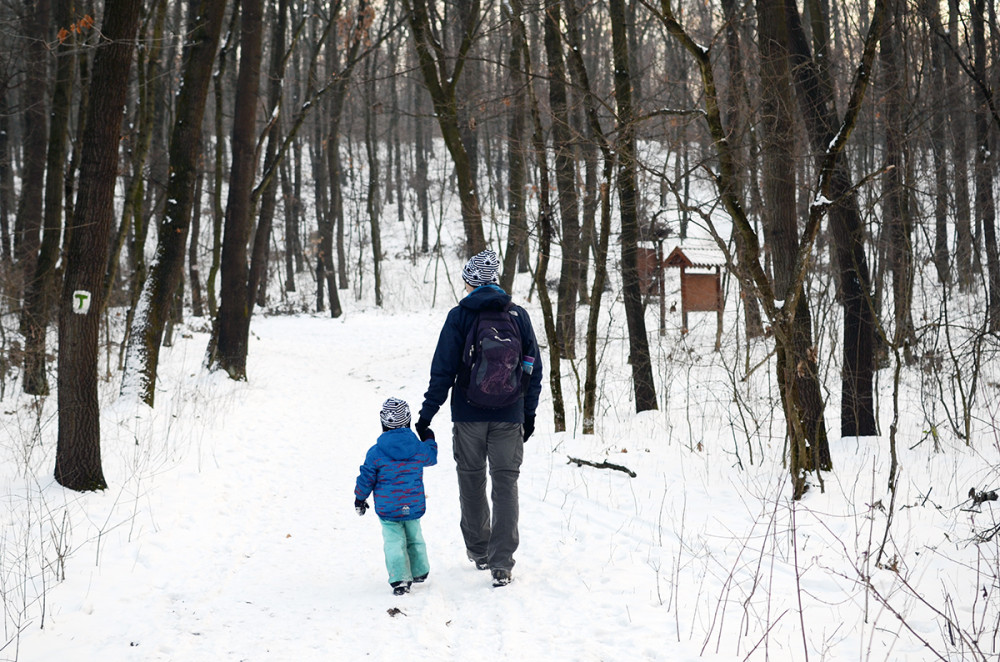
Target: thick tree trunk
78	451
797	369
857	410
167	267
218	209
228	350
642	369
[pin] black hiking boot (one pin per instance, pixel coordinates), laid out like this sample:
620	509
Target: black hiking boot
501	577
400	588
421	579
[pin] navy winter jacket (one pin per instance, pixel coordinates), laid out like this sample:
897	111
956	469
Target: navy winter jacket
394	471
447	361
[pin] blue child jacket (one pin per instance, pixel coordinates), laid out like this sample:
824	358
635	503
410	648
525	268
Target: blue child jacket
447	361
394	471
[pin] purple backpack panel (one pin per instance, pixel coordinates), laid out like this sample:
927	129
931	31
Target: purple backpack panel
493	358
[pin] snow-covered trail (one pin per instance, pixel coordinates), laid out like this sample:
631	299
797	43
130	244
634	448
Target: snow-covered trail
249	547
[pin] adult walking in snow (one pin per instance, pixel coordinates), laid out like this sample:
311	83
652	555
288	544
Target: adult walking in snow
488	357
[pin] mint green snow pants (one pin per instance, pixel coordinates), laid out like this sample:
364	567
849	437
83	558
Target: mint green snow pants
405	551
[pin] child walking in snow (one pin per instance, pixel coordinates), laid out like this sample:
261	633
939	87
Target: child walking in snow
394	471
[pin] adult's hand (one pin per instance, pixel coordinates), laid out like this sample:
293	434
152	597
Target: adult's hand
529	426
421	426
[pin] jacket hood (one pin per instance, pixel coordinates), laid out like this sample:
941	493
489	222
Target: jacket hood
487	297
399	444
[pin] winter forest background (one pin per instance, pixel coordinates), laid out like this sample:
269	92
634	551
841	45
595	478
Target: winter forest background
171	172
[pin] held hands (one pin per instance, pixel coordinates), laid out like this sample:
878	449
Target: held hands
422	427
360	507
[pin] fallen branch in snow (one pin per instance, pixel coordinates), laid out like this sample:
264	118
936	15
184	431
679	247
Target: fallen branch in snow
602	465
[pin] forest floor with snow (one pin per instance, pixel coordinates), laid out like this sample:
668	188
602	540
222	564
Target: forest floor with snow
228	531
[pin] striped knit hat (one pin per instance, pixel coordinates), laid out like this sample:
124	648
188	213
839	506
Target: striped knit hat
482	269
395	414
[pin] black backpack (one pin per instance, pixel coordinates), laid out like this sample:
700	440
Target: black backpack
492	358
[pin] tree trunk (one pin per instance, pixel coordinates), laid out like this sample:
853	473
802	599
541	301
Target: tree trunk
985	203
218	211
194	273
268	190
442	89
421	147
517	235
598	140
565	162
151	84
896	215
738	107
857	409
41	288
782	319
292	215
167	268
544	238
78	451
372	201
28	223
642	369
228	348
938	128
958	113
6	178
796	364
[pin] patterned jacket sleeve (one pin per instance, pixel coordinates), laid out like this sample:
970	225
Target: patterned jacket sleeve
366	479
430	452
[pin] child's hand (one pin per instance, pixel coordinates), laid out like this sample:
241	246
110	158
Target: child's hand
360	507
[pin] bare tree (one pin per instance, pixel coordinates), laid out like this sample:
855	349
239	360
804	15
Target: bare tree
40	289
565	169
167	268
642	369
230	334
442	83
781	318
78	451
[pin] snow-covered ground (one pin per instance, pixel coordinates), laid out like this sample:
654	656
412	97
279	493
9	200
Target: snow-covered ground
228	531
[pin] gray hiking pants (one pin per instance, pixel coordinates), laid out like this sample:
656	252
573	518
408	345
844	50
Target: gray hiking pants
502	446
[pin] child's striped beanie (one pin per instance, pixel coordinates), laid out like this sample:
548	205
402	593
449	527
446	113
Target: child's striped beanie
395	413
